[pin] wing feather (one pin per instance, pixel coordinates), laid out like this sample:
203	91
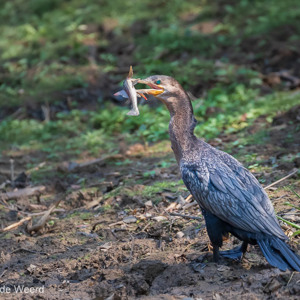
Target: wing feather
236	199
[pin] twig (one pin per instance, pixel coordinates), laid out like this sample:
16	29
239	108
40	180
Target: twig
42	221
73	166
116	223
290	278
46	112
12	170
186	216
3	273
188	205
30	251
40	165
95	225
113	233
17	114
40	213
15	225
31	191
94	203
289	175
112	224
146	226
188	198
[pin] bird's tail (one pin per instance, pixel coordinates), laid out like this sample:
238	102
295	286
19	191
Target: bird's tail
279	254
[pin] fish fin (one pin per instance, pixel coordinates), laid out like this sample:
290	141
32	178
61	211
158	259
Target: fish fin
142	95
130	74
121	93
133	113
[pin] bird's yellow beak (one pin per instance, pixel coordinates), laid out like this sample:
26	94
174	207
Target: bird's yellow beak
155	89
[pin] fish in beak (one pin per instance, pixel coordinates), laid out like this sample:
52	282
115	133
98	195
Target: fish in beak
155	89
130	92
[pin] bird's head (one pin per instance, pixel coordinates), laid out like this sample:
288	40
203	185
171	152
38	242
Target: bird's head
164	88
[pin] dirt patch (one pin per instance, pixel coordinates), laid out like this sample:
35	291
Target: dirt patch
137	249
115	234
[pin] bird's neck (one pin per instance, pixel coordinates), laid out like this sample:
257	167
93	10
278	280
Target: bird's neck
181	127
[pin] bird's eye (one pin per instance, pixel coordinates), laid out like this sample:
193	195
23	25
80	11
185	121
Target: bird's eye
158	82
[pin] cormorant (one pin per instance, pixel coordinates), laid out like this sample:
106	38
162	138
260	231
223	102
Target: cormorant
230	197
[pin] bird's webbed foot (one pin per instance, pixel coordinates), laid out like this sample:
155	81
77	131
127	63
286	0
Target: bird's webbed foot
235	253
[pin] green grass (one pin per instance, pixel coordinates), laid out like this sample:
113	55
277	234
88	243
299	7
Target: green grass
97	131
148	192
45	47
44	44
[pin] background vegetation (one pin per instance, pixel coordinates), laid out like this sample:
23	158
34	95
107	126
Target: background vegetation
61	61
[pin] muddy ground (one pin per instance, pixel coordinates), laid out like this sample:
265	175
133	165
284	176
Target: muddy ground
112	240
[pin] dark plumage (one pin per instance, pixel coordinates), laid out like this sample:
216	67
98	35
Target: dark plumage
231	198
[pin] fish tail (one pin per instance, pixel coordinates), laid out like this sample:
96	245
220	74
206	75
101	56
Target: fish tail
130	74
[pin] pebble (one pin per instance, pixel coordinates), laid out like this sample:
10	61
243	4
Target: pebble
149	203
105	247
274	286
179	234
89	235
159	218
130	219
31	268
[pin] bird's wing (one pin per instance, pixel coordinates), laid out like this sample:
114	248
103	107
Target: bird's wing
247	178
237	200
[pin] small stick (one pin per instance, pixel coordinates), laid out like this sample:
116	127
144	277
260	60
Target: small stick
95	225
146	226
186	216
289	175
40	213
113	233
42	221
27	250
12	170
188	205
46	112
72	167
15	225
290	279
31	191
3	273
188	198
40	165
116	223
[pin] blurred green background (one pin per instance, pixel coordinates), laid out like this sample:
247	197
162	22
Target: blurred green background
61	61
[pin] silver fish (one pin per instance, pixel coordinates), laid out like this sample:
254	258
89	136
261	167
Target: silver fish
131	92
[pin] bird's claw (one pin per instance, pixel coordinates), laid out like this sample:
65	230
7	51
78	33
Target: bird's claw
235	253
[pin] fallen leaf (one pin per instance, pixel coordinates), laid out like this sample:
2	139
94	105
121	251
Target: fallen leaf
159	218
130	219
